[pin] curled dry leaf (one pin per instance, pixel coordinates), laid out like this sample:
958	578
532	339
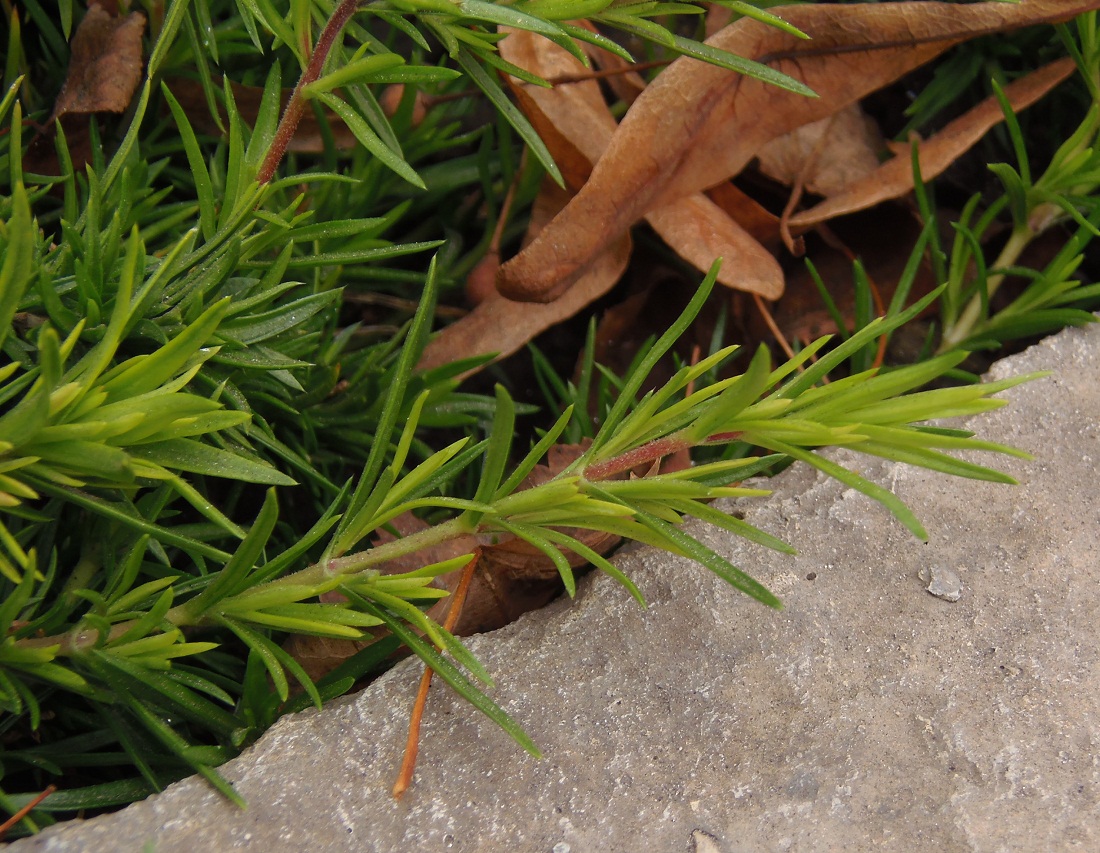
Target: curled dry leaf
577	110
894	178
620	79
761	223
574	118
501	326
697	125
104	64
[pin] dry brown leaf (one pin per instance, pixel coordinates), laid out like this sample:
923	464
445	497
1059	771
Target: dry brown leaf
574	118
577	110
718	18
104	64
319	656
502	326
700	231
826	156
761	223
894	178
573	162
698	125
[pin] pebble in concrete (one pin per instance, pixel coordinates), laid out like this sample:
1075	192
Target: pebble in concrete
942	582
867	715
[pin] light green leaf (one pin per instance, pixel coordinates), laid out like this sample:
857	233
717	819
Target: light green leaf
185	454
16	271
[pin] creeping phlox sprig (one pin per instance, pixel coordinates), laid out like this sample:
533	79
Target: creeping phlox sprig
1065	193
138	637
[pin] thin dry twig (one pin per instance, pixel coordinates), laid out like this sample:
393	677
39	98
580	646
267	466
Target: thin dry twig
412	745
26	810
773	327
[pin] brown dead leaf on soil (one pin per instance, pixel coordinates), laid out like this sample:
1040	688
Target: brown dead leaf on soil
694	227
501	326
697	125
894	178
105	67
104	64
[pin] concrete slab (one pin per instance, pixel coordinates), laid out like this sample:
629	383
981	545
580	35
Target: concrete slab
872	713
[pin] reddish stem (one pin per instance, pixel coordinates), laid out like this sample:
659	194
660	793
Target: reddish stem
296	106
649	452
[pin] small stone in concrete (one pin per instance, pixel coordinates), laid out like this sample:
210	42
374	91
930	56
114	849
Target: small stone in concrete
704	842
942	582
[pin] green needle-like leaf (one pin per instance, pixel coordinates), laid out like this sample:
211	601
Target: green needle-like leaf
457	681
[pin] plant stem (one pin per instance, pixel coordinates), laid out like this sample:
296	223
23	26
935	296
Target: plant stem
295	107
971	315
648	452
184	615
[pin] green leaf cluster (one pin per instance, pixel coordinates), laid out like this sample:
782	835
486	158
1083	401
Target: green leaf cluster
1041	300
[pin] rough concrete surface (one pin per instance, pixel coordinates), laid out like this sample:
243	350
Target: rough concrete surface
869	714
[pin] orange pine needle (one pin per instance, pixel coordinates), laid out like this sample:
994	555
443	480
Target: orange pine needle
603	74
412	743
780	338
26	810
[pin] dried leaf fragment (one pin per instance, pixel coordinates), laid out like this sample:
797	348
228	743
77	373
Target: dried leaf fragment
501	326
827	155
698	125
575	121
894	178
104	65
